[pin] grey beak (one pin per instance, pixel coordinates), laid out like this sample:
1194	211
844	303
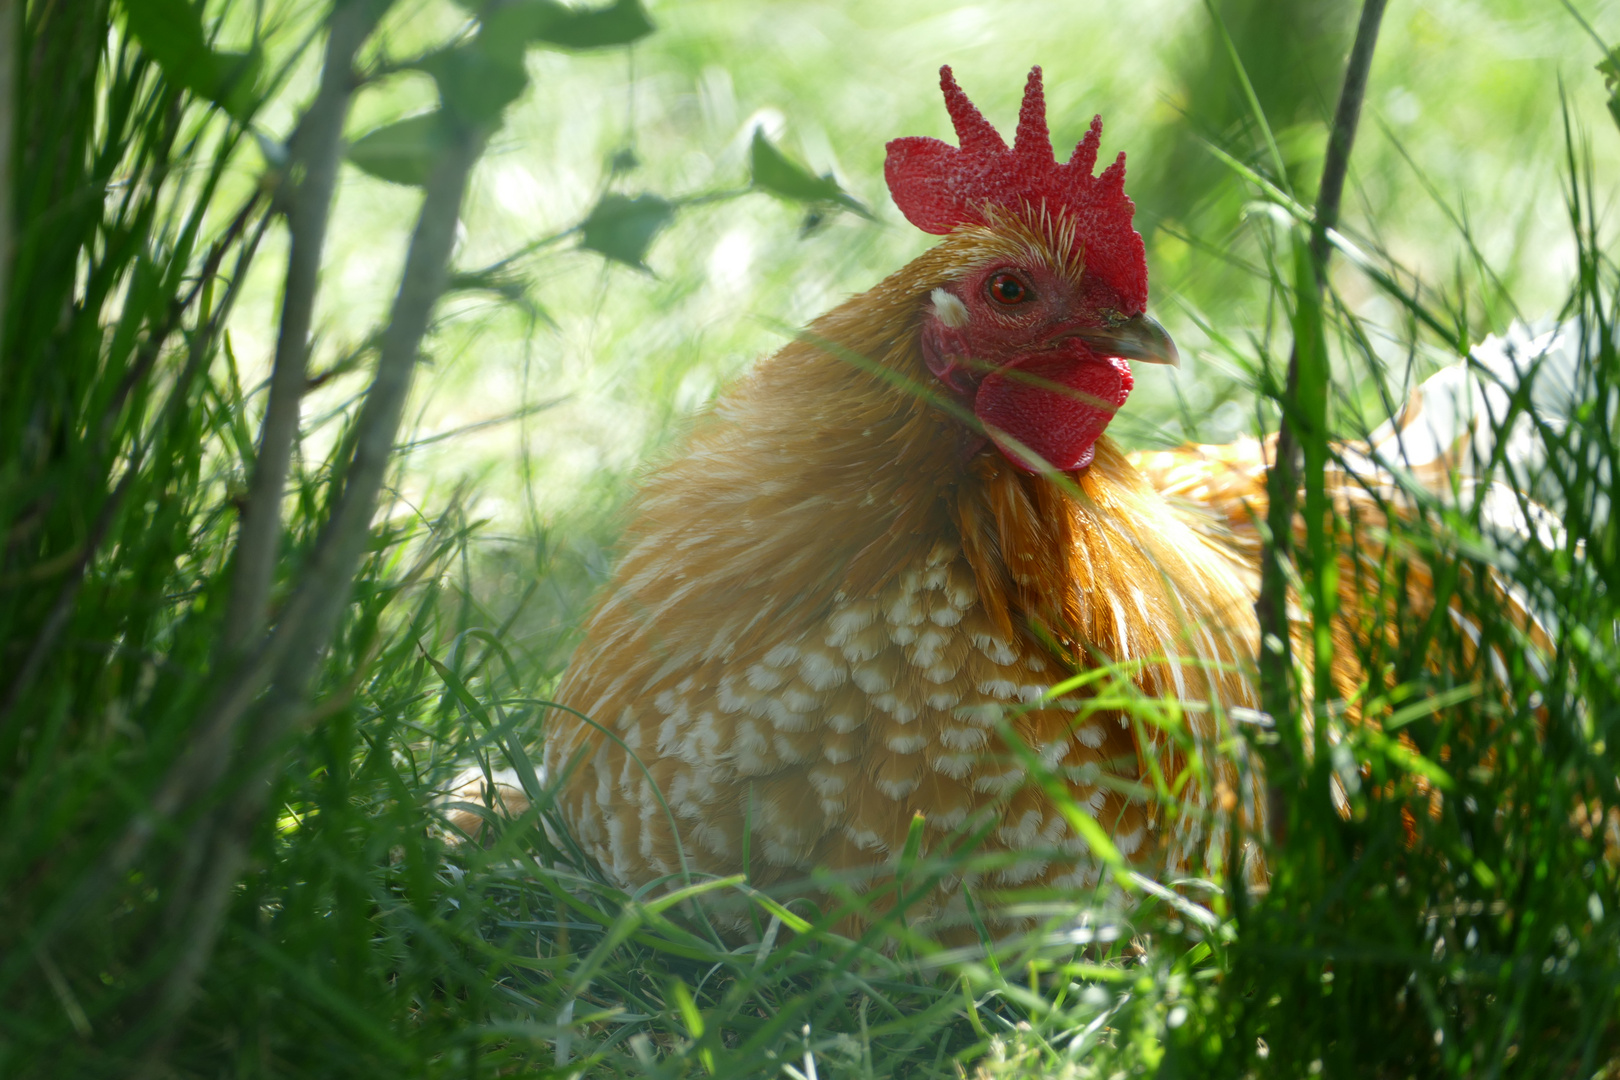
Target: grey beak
1139	338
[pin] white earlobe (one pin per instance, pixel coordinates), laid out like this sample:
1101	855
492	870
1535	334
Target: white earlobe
949	309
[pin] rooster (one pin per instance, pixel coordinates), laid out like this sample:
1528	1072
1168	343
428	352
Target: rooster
895	535
847	600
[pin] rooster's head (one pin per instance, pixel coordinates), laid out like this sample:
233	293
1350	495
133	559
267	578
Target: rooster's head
1032	328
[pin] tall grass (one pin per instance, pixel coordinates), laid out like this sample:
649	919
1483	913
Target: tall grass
1456	917
221	855
142	742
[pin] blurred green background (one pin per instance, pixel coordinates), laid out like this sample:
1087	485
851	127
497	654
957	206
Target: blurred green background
1463	123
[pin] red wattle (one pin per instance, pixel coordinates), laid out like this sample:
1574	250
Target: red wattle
1052	406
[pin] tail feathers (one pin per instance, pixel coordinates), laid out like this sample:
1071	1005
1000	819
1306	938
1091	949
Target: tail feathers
1481	430
1457	418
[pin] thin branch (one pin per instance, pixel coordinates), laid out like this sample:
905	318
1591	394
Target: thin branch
337	554
1343	136
306	628
1282	481
467	429
318	149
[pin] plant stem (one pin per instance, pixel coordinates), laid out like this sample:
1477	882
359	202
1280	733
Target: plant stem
1282	481
317	149
220	840
1346	119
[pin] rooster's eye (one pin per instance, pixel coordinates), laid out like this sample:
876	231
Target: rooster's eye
1006	289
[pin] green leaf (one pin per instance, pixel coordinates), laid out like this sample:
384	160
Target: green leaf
622	228
1430	705
519	24
502	282
531	22
171	33
509	287
479	79
236	89
619	23
775	172
402	152
1094	835
1609	68
1408	759
693	1020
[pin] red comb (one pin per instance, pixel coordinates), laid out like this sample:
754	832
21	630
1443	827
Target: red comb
939	186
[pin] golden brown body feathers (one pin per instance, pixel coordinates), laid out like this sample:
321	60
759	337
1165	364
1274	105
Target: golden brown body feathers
825	608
